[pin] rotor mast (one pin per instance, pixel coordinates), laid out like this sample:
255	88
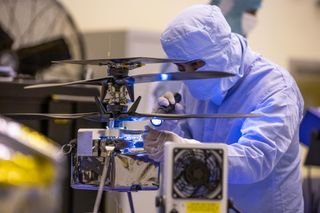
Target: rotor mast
117	90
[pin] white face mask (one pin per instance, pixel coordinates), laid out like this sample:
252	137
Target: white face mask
204	89
248	23
207	89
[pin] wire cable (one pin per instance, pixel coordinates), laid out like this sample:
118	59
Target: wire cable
102	183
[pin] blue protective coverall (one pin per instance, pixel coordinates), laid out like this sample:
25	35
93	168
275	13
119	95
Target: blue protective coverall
263	152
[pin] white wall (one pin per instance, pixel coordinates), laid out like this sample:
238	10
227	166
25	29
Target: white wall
287	28
125	14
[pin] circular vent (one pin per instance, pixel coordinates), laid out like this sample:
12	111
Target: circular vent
197	173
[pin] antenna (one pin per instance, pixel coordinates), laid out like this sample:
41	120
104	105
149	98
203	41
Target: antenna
109	45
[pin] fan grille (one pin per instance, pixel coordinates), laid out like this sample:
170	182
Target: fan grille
197	173
33	25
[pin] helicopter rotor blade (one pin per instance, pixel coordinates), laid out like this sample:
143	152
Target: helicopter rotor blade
130	116
186	116
99	81
176	76
144	78
45	116
102	118
122	61
91	116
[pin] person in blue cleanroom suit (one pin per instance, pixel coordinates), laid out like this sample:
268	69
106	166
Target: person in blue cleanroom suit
263	152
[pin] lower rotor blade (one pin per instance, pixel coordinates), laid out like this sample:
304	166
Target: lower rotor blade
176	76
99	118
186	116
89	82
45	116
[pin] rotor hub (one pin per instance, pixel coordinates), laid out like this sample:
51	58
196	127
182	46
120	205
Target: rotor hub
116	94
125	66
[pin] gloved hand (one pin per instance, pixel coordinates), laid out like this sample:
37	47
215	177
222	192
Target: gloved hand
154	142
168	103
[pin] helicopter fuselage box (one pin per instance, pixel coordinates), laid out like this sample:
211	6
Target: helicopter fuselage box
128	167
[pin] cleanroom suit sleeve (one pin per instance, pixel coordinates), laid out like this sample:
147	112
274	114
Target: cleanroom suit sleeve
264	139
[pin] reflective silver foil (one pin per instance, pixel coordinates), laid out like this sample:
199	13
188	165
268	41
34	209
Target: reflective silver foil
128	167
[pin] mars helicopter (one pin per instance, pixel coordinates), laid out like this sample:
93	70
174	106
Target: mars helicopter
110	158
118	84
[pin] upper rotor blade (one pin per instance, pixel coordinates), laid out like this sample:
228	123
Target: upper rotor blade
42	116
174	76
133	60
185	116
144	78
98	81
